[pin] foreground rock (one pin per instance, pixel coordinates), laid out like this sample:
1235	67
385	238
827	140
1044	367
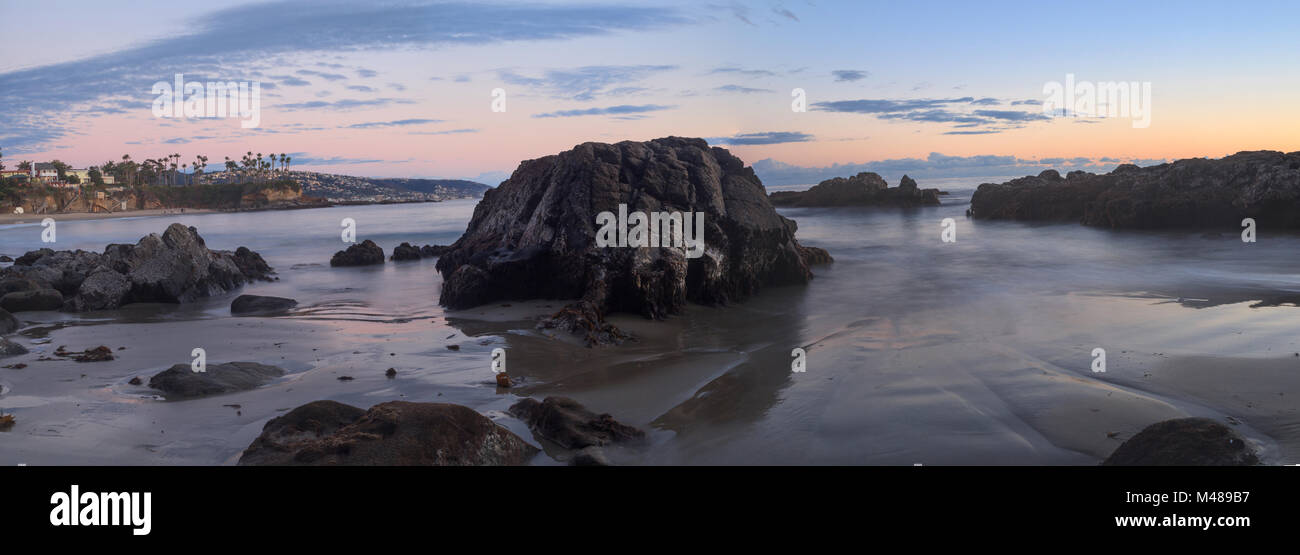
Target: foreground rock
39	299
864	189
570	425
364	253
8	324
534	236
181	381
396	433
9	348
1193	193
1184	442
174	267
248	304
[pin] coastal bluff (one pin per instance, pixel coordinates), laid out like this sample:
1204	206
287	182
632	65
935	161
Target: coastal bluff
535	236
1194	193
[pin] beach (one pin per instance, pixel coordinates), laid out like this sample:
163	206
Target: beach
19	219
918	351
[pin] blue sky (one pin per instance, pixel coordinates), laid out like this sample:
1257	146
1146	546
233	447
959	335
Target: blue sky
403	88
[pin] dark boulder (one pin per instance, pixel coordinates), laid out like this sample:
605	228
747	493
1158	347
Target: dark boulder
40	299
396	433
181	381
8	324
361	254
245	304
864	189
9	348
173	267
102	289
405	251
1184	442
535	236
570	425
1196	193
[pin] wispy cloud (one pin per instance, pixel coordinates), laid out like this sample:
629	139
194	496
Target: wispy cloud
741	89
585	83
850	74
343	104
610	110
229	42
765	138
394	123
960	111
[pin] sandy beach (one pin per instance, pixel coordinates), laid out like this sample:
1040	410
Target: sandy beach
18	219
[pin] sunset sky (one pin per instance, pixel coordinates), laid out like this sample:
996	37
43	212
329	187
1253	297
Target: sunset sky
404	89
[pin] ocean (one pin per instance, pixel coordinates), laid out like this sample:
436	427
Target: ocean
979	351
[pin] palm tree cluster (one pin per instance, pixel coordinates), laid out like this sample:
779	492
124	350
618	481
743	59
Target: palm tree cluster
170	171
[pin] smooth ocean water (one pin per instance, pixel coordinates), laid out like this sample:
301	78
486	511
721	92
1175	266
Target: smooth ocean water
918	351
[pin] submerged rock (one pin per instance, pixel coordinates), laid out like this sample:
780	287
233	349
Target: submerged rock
1195	193
396	433
181	381
245	304
570	425
1184	442
534	236
173	267
364	253
405	251
864	189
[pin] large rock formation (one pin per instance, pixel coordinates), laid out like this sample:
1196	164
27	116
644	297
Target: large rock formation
174	267
534	236
1191	193
396	433
1184	442
864	189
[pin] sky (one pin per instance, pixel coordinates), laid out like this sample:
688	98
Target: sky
406	89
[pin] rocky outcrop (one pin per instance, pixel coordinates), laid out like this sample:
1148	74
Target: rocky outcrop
570	425
864	189
39	299
174	267
534	236
364	253
405	251
182	382
434	251
396	433
248	304
1184	442
1195	193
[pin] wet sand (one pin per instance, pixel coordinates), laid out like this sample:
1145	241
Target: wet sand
7	219
915	354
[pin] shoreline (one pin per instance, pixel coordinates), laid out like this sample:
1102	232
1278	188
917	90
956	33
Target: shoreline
7	219
12	219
